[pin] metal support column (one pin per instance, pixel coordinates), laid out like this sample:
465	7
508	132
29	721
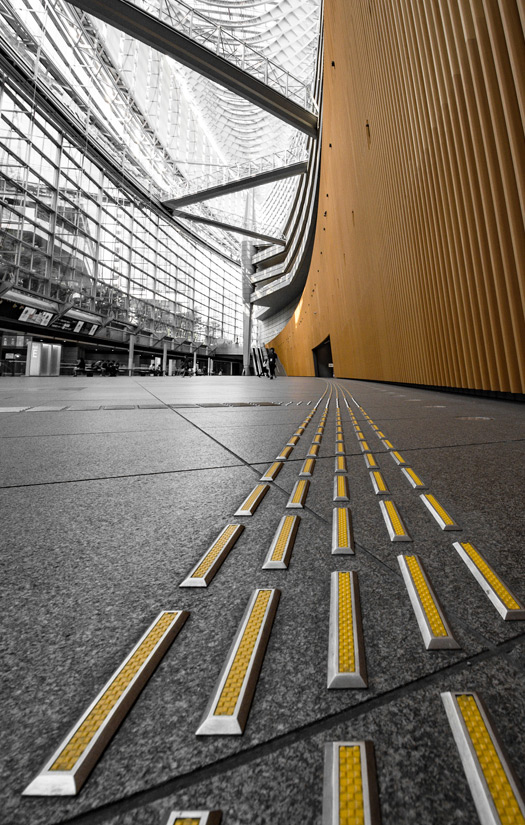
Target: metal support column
131	353
164	357
247	251
195	362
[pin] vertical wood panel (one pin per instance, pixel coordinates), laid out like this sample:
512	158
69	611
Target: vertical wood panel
417	269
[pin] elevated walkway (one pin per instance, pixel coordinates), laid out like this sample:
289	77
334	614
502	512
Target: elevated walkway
195	41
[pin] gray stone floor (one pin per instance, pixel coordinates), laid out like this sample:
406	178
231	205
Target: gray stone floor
111	489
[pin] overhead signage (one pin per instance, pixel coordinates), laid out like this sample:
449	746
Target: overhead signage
69	324
35	316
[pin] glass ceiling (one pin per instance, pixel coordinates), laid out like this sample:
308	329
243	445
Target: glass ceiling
162	122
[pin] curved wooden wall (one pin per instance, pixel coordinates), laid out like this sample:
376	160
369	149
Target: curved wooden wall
417	273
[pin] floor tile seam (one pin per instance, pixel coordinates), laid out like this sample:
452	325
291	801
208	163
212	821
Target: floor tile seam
94	433
211	437
264	749
115	478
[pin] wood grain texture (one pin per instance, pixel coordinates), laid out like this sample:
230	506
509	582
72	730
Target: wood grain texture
417	272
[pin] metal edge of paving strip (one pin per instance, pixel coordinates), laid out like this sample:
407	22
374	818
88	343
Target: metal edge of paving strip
313	452
284	454
444	519
298	494
342	534
364	446
378	483
54	781
252	501
292	441
219	722
361	791
431	618
205	569
413	478
345	609
482	757
490	582
308	468
391	515
194	818
278	556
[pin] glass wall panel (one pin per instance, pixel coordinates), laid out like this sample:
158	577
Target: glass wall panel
70	232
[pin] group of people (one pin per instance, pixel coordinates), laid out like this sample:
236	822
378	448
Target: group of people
97	367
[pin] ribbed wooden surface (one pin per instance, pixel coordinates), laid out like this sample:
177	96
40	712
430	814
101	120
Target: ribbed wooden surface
417	273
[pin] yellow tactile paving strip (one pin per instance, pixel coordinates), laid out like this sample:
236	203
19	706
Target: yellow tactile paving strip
399	457
498	784
343	538
299	492
345	625
80	740
381	486
414	477
252	498
342	489
438	508
309	465
180	821
397	524
232	687
497	585
351	802
429	606
214	551
284	535
274	470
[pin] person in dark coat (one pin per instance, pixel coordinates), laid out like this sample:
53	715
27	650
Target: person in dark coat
272	360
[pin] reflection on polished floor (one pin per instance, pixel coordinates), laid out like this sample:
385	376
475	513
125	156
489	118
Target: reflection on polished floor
113	490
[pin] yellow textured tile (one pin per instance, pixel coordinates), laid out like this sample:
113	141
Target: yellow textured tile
431	611
234	681
394	518
414	476
351	803
213	552
342	529
379	481
346	625
439	509
499	786
76	746
252	497
284	535
506	597
297	496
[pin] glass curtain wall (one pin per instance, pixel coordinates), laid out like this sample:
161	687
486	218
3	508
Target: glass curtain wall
70	231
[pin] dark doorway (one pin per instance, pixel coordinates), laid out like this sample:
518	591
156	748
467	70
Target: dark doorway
323	360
